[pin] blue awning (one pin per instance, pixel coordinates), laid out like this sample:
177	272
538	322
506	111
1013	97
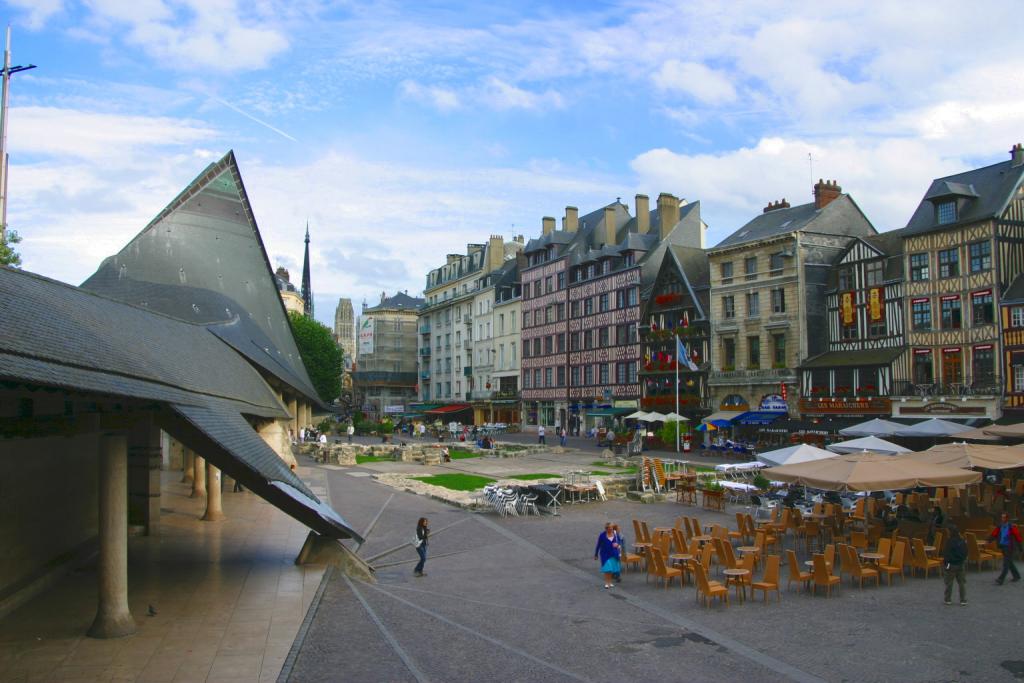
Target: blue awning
758	418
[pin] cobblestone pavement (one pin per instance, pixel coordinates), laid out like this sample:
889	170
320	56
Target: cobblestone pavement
522	599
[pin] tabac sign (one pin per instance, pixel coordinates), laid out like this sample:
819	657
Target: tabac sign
366	328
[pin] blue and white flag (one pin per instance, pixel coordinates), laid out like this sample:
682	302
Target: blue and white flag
684	355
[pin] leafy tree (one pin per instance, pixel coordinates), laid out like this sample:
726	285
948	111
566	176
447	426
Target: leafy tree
9	257
321	356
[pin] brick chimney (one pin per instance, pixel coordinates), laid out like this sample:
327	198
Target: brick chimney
547	225
495	252
571	222
1016	155
282	273
772	206
609	224
643	214
668	213
825	191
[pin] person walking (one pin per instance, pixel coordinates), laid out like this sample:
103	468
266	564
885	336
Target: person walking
1007	535
953	558
562	437
622	544
351	430
540	435
422	536
607	551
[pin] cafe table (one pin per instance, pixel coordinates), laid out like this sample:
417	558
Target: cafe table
734	576
872	557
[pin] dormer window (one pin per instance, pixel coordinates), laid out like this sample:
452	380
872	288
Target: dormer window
946	212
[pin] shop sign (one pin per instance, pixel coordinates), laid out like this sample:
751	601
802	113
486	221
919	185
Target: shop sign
773	403
846	305
838	406
876	304
941	408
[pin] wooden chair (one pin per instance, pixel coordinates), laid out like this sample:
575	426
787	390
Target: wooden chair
627	558
940	541
919	559
830	557
885	550
859	571
795	573
681	554
975	553
895	565
709	589
822	576
844	560
690	533
859	539
811	532
666	574
639	544
705	556
738	534
770	580
661	482
729	561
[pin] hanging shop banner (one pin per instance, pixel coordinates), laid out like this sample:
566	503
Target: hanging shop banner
876	304
846	306
366	335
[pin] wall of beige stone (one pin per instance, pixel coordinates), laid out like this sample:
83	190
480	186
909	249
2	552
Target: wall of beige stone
275	434
48	509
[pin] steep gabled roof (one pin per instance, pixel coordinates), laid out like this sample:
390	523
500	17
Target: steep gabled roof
835	218
984	193
398	301
202	260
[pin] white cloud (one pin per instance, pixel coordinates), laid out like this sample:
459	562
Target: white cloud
212	34
38	11
437	97
97	136
694	79
503	95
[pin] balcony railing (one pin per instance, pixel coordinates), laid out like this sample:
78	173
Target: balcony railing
425	329
467	344
982	386
507	394
425	351
481	395
758	373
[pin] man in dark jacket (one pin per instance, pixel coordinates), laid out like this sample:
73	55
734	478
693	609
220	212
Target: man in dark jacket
1007	535
953	560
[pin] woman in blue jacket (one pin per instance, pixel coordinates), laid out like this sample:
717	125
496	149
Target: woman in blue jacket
607	550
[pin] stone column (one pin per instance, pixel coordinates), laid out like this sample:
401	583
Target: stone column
214	509
113	619
199	477
144	459
293	409
187	470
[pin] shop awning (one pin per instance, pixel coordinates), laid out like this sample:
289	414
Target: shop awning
454	408
758	417
610	412
848	359
722	415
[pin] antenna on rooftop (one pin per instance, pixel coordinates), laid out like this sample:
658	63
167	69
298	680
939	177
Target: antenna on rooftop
5	84
810	163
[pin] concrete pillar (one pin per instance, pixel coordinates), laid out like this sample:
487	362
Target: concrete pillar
214	509
113	619
199	477
187	471
228	483
144	459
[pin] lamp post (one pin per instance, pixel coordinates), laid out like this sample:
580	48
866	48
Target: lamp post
5	82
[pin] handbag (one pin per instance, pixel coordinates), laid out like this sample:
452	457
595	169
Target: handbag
417	541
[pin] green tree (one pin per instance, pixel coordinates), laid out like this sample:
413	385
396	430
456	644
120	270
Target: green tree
9	257
321	356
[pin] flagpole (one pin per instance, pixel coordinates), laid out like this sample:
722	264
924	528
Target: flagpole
677	393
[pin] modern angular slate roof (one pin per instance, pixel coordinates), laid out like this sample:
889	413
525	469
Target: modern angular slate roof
60	336
985	193
202	260
832	219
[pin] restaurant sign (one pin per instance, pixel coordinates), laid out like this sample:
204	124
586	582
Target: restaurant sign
773	403
840	406
942	408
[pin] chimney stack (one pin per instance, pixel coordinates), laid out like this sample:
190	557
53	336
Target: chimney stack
547	225
668	214
1016	155
609	224
643	214
571	222
772	206
282	273
495	252
825	191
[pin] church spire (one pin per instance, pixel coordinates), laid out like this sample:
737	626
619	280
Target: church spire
307	289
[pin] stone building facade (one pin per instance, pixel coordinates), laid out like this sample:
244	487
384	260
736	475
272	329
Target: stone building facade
384	381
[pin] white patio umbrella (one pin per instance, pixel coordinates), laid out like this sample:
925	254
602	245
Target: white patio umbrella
791	455
868	443
933	427
638	415
656	417
876	427
676	417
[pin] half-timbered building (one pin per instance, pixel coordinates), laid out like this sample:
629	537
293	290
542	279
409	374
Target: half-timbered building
1012	322
963	247
676	305
866	358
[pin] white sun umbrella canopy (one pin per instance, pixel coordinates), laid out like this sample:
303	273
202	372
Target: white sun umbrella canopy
638	415
676	417
655	417
876	427
868	443
933	427
792	455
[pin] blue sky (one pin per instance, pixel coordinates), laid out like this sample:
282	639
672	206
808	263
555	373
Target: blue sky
402	131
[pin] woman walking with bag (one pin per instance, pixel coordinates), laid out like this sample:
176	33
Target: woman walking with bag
422	534
607	550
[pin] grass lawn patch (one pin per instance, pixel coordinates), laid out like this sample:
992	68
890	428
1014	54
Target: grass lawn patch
598	473
536	475
602	463
457	482
462	455
512	447
360	459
